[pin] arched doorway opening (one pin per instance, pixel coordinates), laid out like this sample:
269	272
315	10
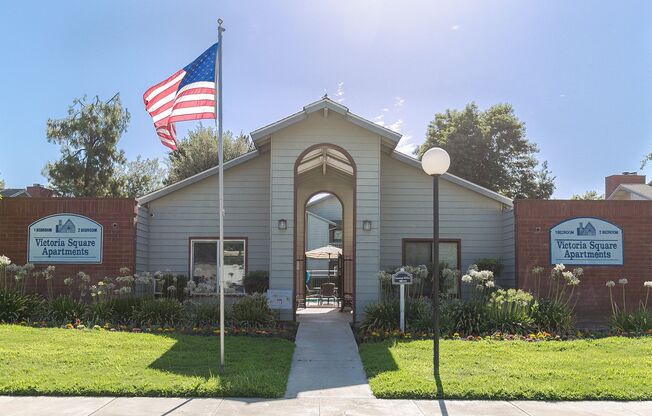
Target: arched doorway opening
325	173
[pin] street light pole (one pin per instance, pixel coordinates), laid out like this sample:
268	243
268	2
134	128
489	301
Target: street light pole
435	162
435	272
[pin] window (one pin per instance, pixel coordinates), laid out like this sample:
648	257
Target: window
203	264
418	252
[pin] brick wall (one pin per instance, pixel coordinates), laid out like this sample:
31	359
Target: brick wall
534	219
117	216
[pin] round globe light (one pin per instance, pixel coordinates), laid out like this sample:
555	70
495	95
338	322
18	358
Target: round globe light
435	161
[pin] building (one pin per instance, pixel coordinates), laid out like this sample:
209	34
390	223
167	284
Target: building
627	186
386	214
34	191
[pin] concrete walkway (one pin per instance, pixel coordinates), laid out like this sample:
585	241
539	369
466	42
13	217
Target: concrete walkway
326	362
309	406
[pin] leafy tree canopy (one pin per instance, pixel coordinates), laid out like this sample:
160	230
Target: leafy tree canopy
489	148
198	152
89	158
588	196
141	176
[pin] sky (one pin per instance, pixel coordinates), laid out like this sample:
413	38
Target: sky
579	74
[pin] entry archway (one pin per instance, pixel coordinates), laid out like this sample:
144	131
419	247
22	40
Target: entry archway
325	168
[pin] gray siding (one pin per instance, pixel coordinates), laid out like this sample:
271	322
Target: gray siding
364	147
142	239
192	212
508	279
406	212
316	236
329	208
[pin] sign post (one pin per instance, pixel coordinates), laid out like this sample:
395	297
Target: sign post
402	278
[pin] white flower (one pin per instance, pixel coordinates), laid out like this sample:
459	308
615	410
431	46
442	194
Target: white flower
124	270
573	281
172	288
28	266
467	279
67	281
4	261
490	283
611	283
648	284
622	281
567	275
559	267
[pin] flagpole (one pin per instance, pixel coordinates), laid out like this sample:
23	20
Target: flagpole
220	160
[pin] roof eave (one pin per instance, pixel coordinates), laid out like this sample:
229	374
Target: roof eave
456	180
195	178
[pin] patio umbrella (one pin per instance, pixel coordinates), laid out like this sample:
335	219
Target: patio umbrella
325	252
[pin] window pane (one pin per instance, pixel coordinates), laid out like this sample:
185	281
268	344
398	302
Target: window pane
420	252
204	264
417	253
234	266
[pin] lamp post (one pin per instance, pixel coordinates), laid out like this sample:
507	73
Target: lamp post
435	162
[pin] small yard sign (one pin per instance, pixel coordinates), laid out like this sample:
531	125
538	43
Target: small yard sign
279	299
402	278
65	239
586	241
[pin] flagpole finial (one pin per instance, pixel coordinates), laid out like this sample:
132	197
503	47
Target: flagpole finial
219	25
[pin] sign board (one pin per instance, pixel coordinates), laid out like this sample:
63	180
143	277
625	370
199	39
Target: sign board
402	278
279	299
586	241
65	239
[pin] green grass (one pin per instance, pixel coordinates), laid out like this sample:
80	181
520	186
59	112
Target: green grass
605	369
53	361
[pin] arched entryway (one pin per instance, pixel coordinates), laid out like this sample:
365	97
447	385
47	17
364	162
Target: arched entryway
325	169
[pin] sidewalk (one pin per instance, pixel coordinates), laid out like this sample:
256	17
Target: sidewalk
309	406
326	362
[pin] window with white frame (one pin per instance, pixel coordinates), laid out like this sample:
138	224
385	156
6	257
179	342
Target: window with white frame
419	251
203	264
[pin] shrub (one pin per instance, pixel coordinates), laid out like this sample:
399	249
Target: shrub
639	321
510	311
16	307
553	317
123	309
256	282
157	312
384	316
253	311
173	287
493	265
100	312
205	314
64	309
465	317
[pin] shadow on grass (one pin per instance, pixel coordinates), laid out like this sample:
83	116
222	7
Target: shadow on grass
192	356
381	361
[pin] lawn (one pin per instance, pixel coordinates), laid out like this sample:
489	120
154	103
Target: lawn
605	369
73	362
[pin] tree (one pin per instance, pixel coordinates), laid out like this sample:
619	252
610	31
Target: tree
587	196
489	148
88	137
198	152
141	176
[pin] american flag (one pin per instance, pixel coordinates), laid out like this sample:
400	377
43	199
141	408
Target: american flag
188	94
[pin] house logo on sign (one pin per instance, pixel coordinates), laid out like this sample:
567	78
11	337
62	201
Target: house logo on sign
586	230
67	227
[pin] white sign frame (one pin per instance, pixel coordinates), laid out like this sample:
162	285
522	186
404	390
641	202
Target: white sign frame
602	233
97	235
279	299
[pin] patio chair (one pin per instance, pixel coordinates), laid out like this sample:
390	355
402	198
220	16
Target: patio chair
327	293
311	294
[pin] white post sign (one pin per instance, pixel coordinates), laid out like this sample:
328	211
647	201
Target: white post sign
586	241
402	278
65	239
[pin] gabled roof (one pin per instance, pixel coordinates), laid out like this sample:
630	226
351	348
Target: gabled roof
13	192
326	104
195	178
321	218
640	189
456	180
